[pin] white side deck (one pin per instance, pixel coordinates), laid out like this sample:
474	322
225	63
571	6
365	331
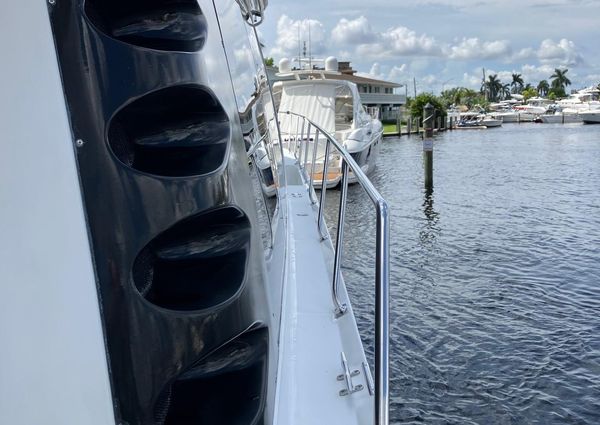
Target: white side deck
311	338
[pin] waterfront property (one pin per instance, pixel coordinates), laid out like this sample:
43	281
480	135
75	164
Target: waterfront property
374	93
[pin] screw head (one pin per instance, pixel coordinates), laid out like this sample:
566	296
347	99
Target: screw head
79	143
52	2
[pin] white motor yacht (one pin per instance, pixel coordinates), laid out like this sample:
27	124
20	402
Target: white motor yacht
334	105
144	280
559	115
583	100
591	116
507	115
478	118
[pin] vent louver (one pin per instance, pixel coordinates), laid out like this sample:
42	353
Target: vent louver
196	264
225	388
162	25
180	131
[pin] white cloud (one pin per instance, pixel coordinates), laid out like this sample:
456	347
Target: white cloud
291	34
392	43
563	52
474	48
352	32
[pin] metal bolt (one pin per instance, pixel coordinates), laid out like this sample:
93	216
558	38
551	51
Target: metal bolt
79	143
52	2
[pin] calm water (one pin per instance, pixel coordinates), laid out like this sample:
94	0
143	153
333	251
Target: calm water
495	275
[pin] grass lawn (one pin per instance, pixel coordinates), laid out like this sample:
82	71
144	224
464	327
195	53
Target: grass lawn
390	128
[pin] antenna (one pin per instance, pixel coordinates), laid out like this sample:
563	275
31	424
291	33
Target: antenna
309	49
299	47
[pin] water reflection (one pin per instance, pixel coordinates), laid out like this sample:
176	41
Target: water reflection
430	228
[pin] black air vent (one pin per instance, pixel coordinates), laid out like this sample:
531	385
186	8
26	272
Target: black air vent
175	132
196	264
228	387
174	25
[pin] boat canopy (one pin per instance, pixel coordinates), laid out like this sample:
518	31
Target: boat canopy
314	101
332	104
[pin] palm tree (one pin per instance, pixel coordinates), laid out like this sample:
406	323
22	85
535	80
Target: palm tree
517	83
560	79
505	91
493	87
543	87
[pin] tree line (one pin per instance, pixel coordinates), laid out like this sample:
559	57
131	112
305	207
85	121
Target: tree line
494	89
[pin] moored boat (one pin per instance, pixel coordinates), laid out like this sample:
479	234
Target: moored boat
591	116
335	106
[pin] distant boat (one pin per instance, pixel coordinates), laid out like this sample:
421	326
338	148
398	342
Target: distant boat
583	100
556	115
478	118
591	116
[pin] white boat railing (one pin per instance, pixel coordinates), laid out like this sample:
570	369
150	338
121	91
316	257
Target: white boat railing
307	132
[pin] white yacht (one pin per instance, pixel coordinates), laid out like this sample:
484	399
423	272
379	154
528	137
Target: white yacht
143	280
558	115
477	117
591	116
335	109
507	115
583	100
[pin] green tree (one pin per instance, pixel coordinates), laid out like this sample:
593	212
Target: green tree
493	87
560	81
462	96
505	91
269	61
543	87
517	83
556	93
419	102
528	93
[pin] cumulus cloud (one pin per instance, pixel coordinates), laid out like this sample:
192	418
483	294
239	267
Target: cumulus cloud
391	43
290	32
563	52
474	48
355	31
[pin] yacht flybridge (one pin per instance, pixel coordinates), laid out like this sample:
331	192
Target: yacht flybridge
144	280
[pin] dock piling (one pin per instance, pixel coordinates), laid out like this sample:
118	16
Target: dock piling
428	123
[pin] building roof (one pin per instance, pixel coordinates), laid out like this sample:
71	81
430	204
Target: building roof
357	79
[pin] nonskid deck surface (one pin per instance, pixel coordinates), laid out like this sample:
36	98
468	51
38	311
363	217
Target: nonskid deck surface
312	339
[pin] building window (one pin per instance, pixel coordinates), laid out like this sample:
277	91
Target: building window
376	89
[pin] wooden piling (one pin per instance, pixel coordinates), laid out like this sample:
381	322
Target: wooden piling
428	123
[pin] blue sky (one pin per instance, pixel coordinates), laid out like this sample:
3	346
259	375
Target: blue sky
444	43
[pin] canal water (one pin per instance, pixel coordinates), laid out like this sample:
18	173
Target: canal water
495	275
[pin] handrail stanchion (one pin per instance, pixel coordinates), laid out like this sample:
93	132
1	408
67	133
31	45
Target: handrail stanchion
341	308
296	133
302	143
311	176
306	144
382	315
323	190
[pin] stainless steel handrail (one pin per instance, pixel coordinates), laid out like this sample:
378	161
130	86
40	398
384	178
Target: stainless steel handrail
382	255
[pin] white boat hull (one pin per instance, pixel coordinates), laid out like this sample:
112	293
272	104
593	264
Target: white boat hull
560	118
491	122
590	117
